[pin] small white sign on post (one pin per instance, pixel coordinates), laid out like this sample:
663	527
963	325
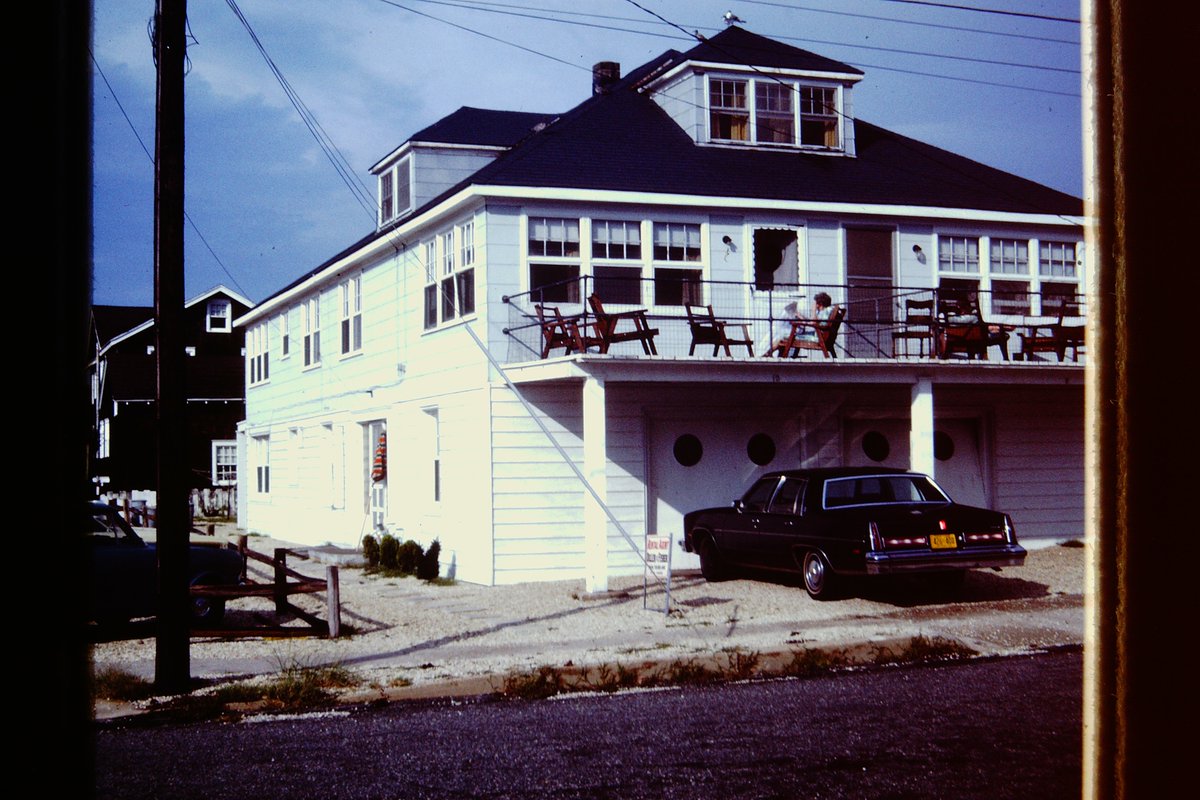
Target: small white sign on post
658	568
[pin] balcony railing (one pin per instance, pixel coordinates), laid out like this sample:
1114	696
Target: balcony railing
875	313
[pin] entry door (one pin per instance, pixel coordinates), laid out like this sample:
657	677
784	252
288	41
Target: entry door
376	468
710	461
958	462
869	298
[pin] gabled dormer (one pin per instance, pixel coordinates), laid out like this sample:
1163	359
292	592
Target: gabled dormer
446	153
739	89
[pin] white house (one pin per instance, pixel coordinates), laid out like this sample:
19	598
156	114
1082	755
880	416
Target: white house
401	385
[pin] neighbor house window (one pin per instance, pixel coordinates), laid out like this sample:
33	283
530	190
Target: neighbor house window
351	292
555	239
1009	256
262	463
219	317
310	321
104	445
617	241
729	115
224	462
676	244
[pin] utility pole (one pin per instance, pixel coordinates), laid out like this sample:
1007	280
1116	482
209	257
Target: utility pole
172	669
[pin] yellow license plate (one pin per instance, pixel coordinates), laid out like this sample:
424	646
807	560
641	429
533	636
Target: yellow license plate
943	541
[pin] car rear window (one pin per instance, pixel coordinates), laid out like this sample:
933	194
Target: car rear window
868	490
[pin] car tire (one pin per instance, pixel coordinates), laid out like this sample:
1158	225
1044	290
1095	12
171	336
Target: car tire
207	610
712	566
819	580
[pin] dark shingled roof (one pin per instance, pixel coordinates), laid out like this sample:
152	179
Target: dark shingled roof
482	126
736	45
112	321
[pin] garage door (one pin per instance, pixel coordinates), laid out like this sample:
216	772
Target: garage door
958	464
710	461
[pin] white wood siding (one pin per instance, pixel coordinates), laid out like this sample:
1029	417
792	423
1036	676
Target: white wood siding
437	169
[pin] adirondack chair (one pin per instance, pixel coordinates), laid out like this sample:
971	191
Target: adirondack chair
565	332
606	327
1056	337
826	335
917	326
707	329
961	328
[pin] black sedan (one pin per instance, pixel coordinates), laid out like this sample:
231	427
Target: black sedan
830	523
123	571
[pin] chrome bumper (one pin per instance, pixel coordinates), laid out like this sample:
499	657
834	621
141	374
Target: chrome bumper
885	562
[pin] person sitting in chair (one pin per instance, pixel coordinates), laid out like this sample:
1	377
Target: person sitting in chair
822	310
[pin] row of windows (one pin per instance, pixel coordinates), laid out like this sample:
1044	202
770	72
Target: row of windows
258	348
1010	273
1007	256
773	112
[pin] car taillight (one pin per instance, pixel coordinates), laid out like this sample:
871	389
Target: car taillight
986	537
876	541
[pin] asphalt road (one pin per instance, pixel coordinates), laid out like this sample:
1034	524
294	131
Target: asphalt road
1000	728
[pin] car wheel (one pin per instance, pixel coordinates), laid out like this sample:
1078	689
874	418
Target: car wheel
207	610
819	580
712	567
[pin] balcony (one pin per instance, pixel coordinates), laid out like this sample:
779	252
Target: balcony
880	321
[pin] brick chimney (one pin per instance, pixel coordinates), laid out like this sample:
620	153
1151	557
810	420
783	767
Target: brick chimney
604	75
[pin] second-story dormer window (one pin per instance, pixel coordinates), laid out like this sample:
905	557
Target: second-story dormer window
387	206
395	190
774	112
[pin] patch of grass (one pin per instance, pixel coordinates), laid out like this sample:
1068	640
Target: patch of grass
610	678
739	664
545	682
922	648
685	672
111	683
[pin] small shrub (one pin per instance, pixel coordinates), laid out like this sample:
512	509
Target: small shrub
389	551
807	663
609	678
546	682
408	557
741	665
685	672
429	568
370	547
922	648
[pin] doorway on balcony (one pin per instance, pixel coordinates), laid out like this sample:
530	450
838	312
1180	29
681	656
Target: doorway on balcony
776	260
869	293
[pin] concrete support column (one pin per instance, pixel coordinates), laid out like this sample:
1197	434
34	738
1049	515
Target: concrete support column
595	457
920	435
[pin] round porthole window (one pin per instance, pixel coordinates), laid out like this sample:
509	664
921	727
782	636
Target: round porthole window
761	449
688	450
875	446
943	446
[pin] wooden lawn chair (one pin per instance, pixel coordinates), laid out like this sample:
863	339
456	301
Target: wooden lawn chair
606	327
1055	337
826	335
707	329
961	328
918	326
558	331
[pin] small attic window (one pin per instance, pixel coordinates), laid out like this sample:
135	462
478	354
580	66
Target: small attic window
395	190
219	316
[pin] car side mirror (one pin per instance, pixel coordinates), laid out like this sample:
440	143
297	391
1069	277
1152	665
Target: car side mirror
739	505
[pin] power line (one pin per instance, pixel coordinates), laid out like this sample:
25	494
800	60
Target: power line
347	174
978	10
146	150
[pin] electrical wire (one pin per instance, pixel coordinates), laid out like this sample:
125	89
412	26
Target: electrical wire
347	173
136	135
979	10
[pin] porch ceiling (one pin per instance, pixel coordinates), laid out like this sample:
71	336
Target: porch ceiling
666	369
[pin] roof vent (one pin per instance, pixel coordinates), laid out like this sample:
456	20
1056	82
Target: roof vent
604	75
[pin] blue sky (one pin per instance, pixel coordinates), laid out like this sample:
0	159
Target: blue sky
269	204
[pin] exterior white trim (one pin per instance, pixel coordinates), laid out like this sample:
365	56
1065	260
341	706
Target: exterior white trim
717	66
396	237
411	144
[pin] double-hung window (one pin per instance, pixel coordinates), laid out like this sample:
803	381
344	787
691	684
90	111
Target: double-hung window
448	305
617	260
729	114
431	285
1008	265
387	207
219	316
774	122
553	245
310	320
224	462
258	357
1057	262
351	292
465	278
818	116
262	463
677	270
395	191
285	333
